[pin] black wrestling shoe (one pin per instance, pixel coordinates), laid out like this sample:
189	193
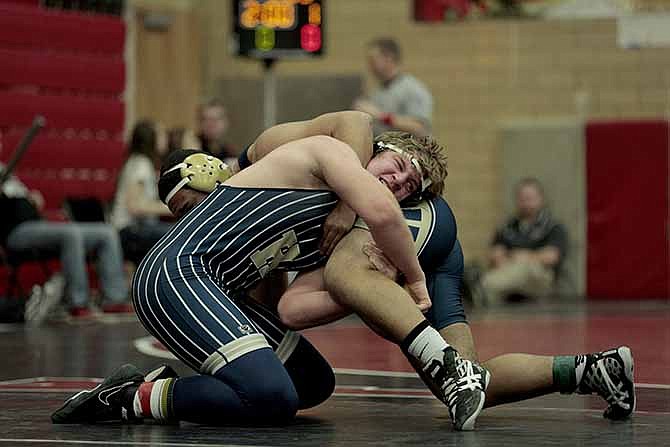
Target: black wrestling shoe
162	372
610	375
104	403
462	387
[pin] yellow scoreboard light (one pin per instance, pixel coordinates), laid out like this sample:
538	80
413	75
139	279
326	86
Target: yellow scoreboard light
278	28
274	14
314	14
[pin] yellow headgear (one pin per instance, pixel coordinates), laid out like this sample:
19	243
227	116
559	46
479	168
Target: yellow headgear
201	172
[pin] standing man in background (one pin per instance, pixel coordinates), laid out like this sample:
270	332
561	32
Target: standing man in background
212	128
402	102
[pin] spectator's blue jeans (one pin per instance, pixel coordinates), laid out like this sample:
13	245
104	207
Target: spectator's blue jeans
73	241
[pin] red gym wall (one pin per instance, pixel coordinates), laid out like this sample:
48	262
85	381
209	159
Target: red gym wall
627	203
68	67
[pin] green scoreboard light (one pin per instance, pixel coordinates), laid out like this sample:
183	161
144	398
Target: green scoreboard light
276	29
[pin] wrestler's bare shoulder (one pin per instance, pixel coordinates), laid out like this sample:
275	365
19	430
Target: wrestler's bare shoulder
292	165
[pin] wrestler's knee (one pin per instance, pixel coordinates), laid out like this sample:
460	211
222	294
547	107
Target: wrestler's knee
262	382
311	374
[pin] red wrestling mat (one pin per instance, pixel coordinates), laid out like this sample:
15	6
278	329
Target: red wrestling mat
352	346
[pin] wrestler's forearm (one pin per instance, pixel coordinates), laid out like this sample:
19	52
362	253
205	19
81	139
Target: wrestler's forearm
355	129
372	201
410	124
350	127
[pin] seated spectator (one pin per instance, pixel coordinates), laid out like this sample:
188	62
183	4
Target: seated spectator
213	126
22	229
136	210
527	251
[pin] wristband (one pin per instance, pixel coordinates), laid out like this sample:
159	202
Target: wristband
388	118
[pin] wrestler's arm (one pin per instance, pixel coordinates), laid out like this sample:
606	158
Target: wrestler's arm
351	127
306	303
339	168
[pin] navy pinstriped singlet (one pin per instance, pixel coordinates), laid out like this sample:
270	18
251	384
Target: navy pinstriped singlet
239	234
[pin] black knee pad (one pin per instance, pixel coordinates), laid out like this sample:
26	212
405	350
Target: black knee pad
312	376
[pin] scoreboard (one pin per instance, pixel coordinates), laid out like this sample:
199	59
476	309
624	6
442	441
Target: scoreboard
274	29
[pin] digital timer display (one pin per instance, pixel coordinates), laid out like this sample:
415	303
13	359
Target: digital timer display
278	28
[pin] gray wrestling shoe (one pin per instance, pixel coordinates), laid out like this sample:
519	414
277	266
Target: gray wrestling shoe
610	375
104	403
460	384
44	300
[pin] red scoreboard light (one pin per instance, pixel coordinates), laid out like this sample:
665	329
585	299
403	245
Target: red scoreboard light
310	38
275	29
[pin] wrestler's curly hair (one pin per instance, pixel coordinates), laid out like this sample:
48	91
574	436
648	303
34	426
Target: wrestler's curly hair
430	154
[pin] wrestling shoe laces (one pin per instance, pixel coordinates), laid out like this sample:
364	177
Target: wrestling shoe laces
610	375
462	385
469	379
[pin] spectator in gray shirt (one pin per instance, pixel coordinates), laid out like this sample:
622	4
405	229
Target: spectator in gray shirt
402	102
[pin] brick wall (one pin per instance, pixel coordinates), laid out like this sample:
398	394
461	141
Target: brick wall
480	73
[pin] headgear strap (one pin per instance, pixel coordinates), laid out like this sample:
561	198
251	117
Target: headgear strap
425	182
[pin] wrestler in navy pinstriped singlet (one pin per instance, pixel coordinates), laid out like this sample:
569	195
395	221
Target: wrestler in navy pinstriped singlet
183	288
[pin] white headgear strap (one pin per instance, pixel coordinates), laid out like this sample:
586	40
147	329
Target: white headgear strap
425	182
179	185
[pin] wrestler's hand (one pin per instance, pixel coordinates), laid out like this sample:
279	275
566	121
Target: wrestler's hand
338	223
379	261
419	293
384	265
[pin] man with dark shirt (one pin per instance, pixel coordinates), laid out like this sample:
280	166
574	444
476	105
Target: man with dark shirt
528	250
